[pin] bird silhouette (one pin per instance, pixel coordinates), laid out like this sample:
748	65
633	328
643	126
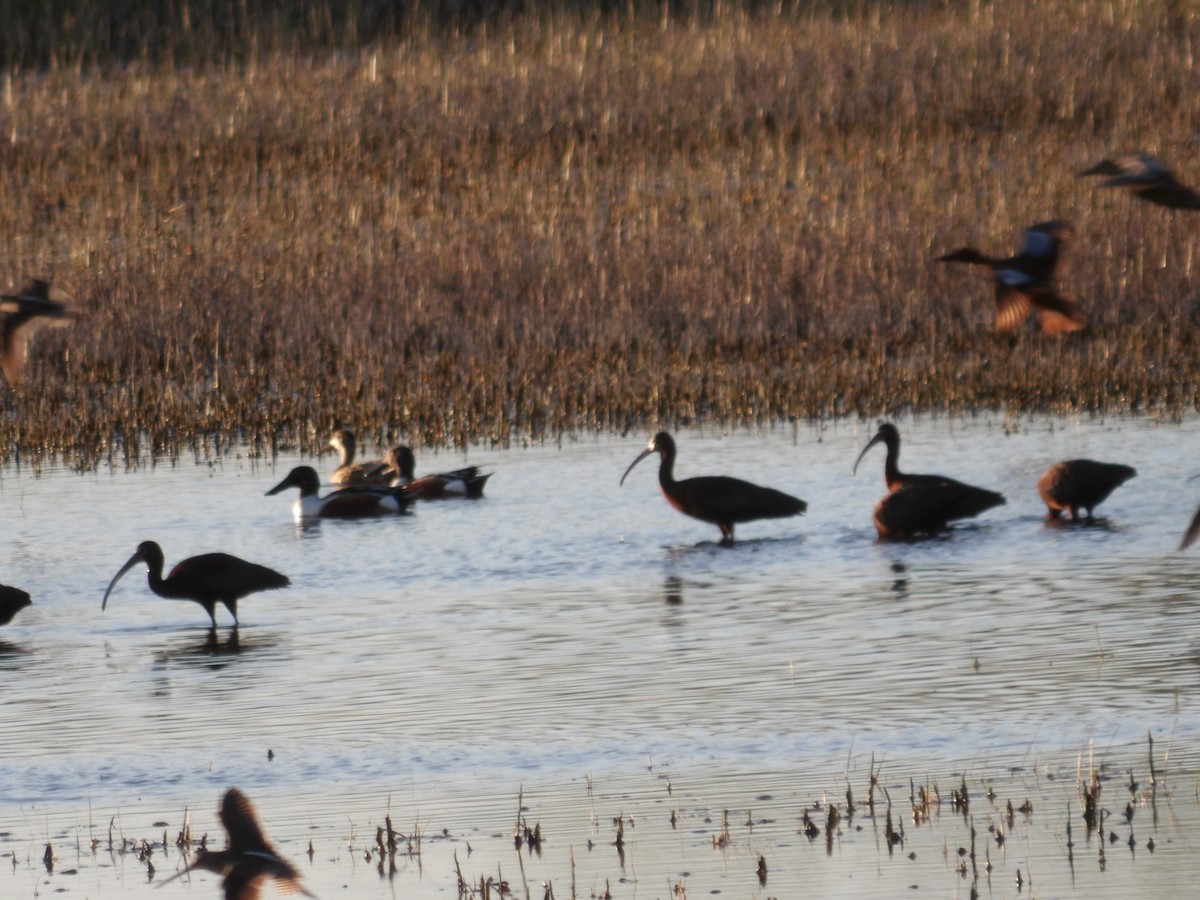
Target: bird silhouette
207	579
25	313
1075	484
249	860
1147	179
12	601
718	499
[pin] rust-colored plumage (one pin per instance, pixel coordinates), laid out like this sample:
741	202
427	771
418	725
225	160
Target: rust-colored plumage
718	499
1147	179
1076	484
12	601
929	502
350	473
25	313
250	859
465	482
1026	282
207	579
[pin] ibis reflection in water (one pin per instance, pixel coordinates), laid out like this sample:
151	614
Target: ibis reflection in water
921	504
249	860
401	465
207	579
1147	179
348	503
1076	484
349	472
25	313
1025	283
12	601
718	499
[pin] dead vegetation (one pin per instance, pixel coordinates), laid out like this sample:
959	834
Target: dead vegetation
527	225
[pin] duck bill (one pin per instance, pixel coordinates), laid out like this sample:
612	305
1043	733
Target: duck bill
641	456
282	486
875	440
133	561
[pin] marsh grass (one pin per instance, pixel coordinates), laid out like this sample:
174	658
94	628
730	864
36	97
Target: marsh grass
589	219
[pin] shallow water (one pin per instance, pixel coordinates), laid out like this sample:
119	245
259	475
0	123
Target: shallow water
599	651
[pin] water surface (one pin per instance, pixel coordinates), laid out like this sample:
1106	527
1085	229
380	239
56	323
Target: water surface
592	647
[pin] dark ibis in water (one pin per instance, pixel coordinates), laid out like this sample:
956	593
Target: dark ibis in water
926	508
718	499
1025	282
1076	484
12	601
945	501
24	313
1193	532
1147	179
350	473
208	579
466	482
249	860
348	503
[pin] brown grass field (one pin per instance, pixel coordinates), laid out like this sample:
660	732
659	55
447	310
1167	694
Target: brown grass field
519	225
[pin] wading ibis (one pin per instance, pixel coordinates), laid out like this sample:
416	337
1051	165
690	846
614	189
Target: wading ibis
718	499
208	579
1076	484
350	473
1025	283
249	860
12	601
944	501
927	508
25	313
348	503
1193	532
465	482
1147	179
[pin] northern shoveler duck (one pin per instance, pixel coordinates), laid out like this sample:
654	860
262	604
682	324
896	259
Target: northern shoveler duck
12	601
352	474
466	482
249	860
1147	179
208	579
25	313
718	499
954	500
926	509
1076	484
1025	283
348	503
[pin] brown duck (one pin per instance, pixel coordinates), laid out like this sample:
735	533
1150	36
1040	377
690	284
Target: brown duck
1025	283
351	473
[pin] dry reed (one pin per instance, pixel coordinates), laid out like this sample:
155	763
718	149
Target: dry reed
584	218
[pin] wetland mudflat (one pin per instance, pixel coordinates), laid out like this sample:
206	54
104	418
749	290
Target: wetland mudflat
589	646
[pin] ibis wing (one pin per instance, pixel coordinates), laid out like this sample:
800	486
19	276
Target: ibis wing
722	499
225	576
